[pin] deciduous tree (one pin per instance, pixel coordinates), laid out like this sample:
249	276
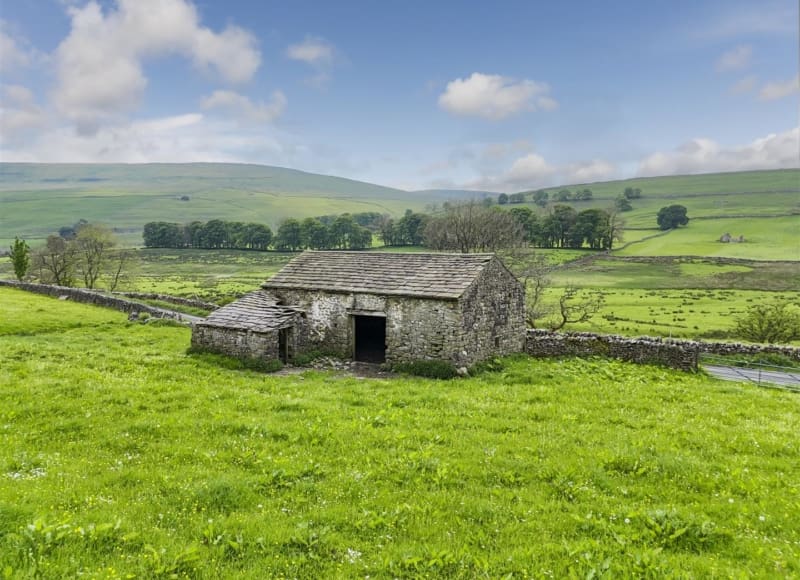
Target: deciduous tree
20	258
289	236
672	216
92	245
55	262
471	227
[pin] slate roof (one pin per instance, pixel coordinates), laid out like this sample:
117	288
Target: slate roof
257	311
442	276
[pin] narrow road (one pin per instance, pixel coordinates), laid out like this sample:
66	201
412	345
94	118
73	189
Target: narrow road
783	379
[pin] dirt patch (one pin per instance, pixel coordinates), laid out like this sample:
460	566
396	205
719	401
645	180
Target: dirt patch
359	370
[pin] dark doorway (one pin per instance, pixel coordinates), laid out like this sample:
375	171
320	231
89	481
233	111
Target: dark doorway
370	339
283	344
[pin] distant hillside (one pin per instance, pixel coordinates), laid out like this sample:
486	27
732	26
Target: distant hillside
777	180
184	178
456	193
36	199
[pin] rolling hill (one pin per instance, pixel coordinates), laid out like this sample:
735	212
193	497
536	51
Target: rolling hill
37	199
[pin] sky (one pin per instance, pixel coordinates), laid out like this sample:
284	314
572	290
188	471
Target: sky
500	96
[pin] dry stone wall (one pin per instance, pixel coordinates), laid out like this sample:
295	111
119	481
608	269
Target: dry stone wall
678	354
193	302
96	298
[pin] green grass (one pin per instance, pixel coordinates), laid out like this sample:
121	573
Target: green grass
122	456
208	274
680	272
698	185
765	239
37	199
687	313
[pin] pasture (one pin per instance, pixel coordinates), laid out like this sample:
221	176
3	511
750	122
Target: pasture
37	199
122	456
775	238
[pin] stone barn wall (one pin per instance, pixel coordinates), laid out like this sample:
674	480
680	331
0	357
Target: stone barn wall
236	342
416	328
493	316
422	329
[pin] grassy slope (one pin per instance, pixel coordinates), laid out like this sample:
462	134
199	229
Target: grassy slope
36	199
120	454
765	239
762	205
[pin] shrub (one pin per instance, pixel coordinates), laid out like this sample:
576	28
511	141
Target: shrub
432	369
773	322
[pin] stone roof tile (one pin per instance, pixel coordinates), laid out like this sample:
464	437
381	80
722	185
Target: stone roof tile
257	311
444	276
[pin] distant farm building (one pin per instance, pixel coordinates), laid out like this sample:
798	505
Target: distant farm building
726	238
376	307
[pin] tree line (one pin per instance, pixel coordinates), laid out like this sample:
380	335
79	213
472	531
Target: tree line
319	233
83	252
458	226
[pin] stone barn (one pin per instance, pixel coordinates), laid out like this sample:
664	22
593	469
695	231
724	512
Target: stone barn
376	307
254	326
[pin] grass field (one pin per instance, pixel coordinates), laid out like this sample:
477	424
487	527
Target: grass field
679	272
37	199
783	180
687	313
680	296
765	239
122	456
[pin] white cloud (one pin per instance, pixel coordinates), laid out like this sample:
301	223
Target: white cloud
187	138
530	168
190	137
12	55
767	18
736	58
532	171
589	171
313	51
15	51
774	151
510	166
18	112
100	74
244	109
778	90
494	97
317	53
744	85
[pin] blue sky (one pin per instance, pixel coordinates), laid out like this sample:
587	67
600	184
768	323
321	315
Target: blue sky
504	95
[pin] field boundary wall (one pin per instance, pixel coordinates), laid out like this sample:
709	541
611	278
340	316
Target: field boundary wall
673	353
92	297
